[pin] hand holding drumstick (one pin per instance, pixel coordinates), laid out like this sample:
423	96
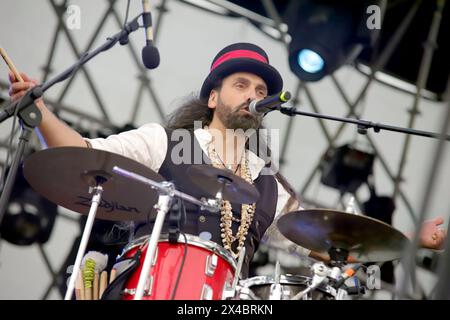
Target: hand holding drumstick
20	82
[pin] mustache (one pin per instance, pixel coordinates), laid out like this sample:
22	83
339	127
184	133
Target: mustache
243	105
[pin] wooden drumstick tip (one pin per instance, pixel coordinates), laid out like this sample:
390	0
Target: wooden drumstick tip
95	287
11	65
103	283
87	293
112	276
79	287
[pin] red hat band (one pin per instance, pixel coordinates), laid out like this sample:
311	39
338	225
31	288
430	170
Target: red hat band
237	54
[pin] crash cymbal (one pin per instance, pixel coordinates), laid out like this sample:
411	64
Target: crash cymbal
211	180
64	175
366	239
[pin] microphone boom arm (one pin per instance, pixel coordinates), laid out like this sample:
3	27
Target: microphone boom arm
363	125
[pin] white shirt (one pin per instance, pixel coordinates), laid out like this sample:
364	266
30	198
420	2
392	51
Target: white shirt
148	146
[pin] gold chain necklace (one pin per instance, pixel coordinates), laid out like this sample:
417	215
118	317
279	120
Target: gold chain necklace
247	210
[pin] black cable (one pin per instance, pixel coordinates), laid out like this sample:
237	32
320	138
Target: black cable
8	154
174	291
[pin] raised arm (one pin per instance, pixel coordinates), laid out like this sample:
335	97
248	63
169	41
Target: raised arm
54	131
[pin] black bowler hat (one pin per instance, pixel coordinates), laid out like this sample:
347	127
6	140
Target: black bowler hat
242	57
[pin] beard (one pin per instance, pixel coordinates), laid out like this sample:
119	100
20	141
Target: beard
233	118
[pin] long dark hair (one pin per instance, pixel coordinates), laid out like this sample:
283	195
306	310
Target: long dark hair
193	109
196	109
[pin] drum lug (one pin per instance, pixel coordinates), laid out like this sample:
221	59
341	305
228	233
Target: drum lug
211	265
207	293
276	292
130	292
228	292
244	293
147	290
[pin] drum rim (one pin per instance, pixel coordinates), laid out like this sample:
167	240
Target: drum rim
270	279
284	280
191	239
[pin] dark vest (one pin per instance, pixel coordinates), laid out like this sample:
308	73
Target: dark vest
201	221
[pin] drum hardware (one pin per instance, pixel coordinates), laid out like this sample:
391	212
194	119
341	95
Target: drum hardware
231	293
96	186
207	293
99	175
211	265
162	208
276	290
320	274
175	222
245	293
97	195
259	288
148	288
222	184
227	189
343	235
155	257
191	283
239	267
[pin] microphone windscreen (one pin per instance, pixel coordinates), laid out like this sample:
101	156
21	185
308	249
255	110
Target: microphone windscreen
150	56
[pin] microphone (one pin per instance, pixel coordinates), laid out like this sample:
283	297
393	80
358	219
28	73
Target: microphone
150	54
269	103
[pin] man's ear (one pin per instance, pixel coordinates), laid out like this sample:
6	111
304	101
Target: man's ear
212	100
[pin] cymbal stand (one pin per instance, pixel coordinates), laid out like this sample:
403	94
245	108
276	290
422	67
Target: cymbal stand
276	289
320	274
96	198
166	192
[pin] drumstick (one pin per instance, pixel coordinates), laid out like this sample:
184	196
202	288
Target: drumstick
95	287
11	65
88	293
112	275
80	285
103	283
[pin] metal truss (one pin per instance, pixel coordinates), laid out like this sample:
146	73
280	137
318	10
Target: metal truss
275	22
396	179
58	106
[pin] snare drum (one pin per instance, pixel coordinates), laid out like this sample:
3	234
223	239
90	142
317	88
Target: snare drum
261	287
207	272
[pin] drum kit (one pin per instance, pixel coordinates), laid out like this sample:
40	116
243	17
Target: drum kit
108	186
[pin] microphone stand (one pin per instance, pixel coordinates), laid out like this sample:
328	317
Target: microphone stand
30	116
363	125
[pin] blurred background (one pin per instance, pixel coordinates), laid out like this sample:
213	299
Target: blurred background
383	61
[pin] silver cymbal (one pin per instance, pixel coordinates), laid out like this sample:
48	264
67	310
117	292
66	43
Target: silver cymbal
366	239
211	180
64	175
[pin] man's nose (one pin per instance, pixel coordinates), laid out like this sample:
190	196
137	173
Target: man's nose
252	95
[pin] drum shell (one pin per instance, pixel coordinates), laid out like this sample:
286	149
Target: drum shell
208	270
